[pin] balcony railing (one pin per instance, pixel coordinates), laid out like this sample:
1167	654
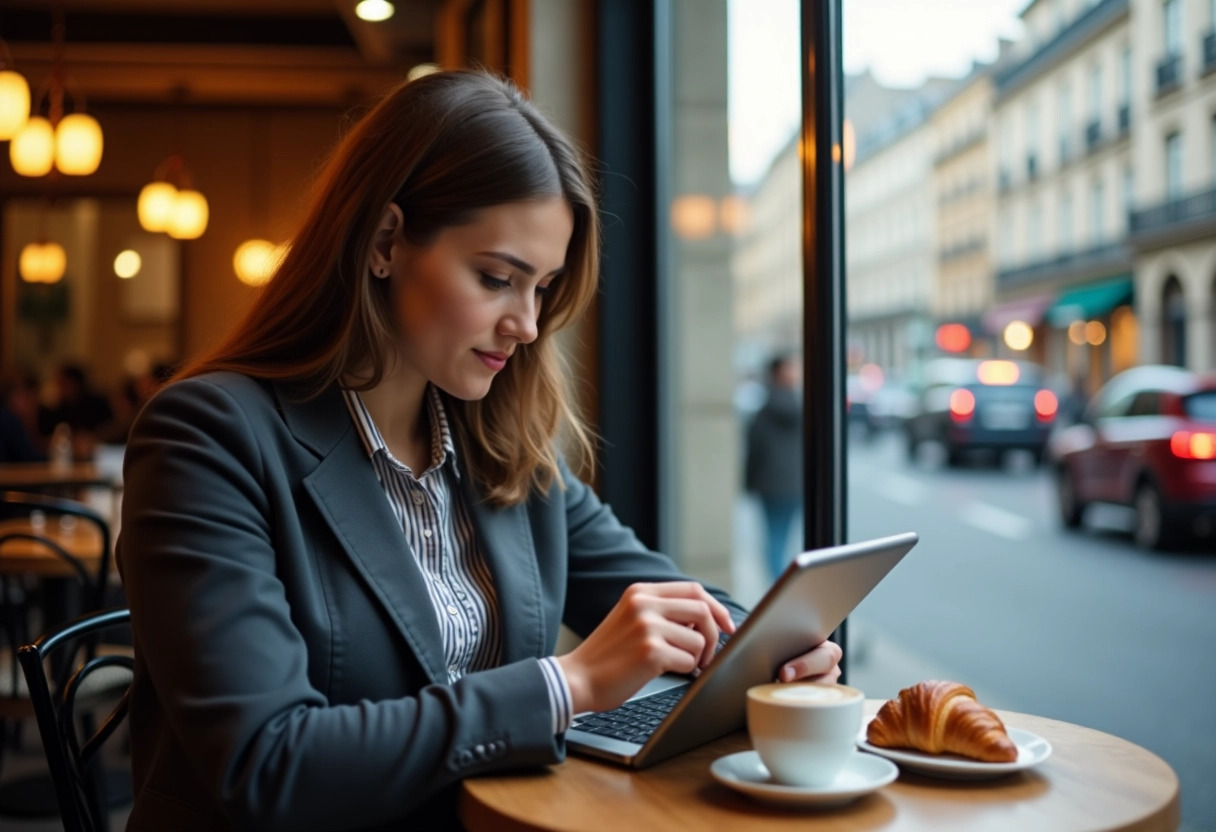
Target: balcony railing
1169	74
1125	118
1197	209
1209	52
1100	259
1093	135
963	249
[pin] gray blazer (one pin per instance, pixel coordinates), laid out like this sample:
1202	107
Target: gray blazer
289	665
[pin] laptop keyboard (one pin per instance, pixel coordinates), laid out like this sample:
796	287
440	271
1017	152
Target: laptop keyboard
637	719
634	721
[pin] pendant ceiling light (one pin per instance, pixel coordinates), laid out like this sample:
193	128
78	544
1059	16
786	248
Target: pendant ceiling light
14	96
170	204
70	143
42	262
256	260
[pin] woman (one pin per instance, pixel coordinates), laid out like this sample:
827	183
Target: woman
348	540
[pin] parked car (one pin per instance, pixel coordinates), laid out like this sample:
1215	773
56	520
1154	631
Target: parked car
1146	440
860	389
971	404
891	405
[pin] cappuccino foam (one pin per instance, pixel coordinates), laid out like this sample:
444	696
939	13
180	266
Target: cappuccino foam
806	694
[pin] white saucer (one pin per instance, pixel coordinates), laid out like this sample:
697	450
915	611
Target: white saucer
1032	750
744	772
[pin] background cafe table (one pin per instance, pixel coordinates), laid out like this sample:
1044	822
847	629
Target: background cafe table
43	476
1093	781
30	557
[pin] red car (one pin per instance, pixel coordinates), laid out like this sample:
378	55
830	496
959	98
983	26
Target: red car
1147	440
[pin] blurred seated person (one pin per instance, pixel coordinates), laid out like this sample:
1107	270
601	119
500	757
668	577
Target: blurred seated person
82	409
129	399
18	418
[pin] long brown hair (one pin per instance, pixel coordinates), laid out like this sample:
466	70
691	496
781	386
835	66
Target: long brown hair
441	147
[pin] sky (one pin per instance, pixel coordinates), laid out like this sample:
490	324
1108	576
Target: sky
901	41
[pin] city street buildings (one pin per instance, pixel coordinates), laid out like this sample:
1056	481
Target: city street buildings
1062	115
891	234
1173	225
1070	186
962	183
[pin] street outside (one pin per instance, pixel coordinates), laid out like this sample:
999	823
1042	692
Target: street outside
1082	627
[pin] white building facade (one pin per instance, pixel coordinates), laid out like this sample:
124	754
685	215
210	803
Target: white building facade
1173	225
1063	118
891	241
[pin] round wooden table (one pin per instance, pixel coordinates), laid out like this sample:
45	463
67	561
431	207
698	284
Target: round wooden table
1093	781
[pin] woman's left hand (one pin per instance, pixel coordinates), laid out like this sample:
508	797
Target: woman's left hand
820	665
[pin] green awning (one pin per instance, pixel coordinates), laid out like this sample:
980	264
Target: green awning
1093	301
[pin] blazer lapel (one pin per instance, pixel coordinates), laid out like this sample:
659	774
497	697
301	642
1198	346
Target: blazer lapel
506	543
350	498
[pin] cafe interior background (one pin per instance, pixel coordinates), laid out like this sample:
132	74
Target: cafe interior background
692	110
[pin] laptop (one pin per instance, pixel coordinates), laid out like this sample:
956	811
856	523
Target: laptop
802	608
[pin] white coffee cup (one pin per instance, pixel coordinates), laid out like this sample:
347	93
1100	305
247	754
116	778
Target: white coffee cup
804	732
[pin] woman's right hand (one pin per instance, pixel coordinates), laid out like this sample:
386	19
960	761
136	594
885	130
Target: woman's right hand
653	629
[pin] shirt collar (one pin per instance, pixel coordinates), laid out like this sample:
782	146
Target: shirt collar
443	449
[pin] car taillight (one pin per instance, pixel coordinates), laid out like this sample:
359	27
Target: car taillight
1193	444
962	405
1046	405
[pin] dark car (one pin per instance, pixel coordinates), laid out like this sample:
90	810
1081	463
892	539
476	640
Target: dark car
971	404
1147	440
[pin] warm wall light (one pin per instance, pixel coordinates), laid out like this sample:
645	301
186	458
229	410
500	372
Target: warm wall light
256	261
78	144
127	264
42	262
32	150
374	11
155	205
190	215
733	214
694	216
14	103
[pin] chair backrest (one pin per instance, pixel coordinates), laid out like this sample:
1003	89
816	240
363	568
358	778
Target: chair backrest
75	765
22	504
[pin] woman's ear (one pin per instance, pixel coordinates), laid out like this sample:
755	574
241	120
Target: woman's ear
388	232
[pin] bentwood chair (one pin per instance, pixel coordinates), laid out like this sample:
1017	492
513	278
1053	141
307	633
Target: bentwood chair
72	741
54	567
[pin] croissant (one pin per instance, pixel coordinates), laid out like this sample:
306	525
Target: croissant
942	717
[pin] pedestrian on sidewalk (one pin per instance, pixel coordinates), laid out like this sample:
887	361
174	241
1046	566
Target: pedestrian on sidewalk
773	470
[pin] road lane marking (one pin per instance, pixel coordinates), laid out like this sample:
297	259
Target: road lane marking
899	489
996	520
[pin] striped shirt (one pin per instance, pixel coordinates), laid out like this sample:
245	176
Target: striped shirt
439	532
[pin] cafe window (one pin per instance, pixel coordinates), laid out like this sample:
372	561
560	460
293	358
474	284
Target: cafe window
730	237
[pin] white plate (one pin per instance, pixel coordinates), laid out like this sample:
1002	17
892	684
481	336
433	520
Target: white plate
744	772
1032	750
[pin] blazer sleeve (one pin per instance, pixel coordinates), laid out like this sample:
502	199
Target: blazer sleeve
215	637
605	557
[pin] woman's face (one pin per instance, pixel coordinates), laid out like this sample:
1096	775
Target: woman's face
466	301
